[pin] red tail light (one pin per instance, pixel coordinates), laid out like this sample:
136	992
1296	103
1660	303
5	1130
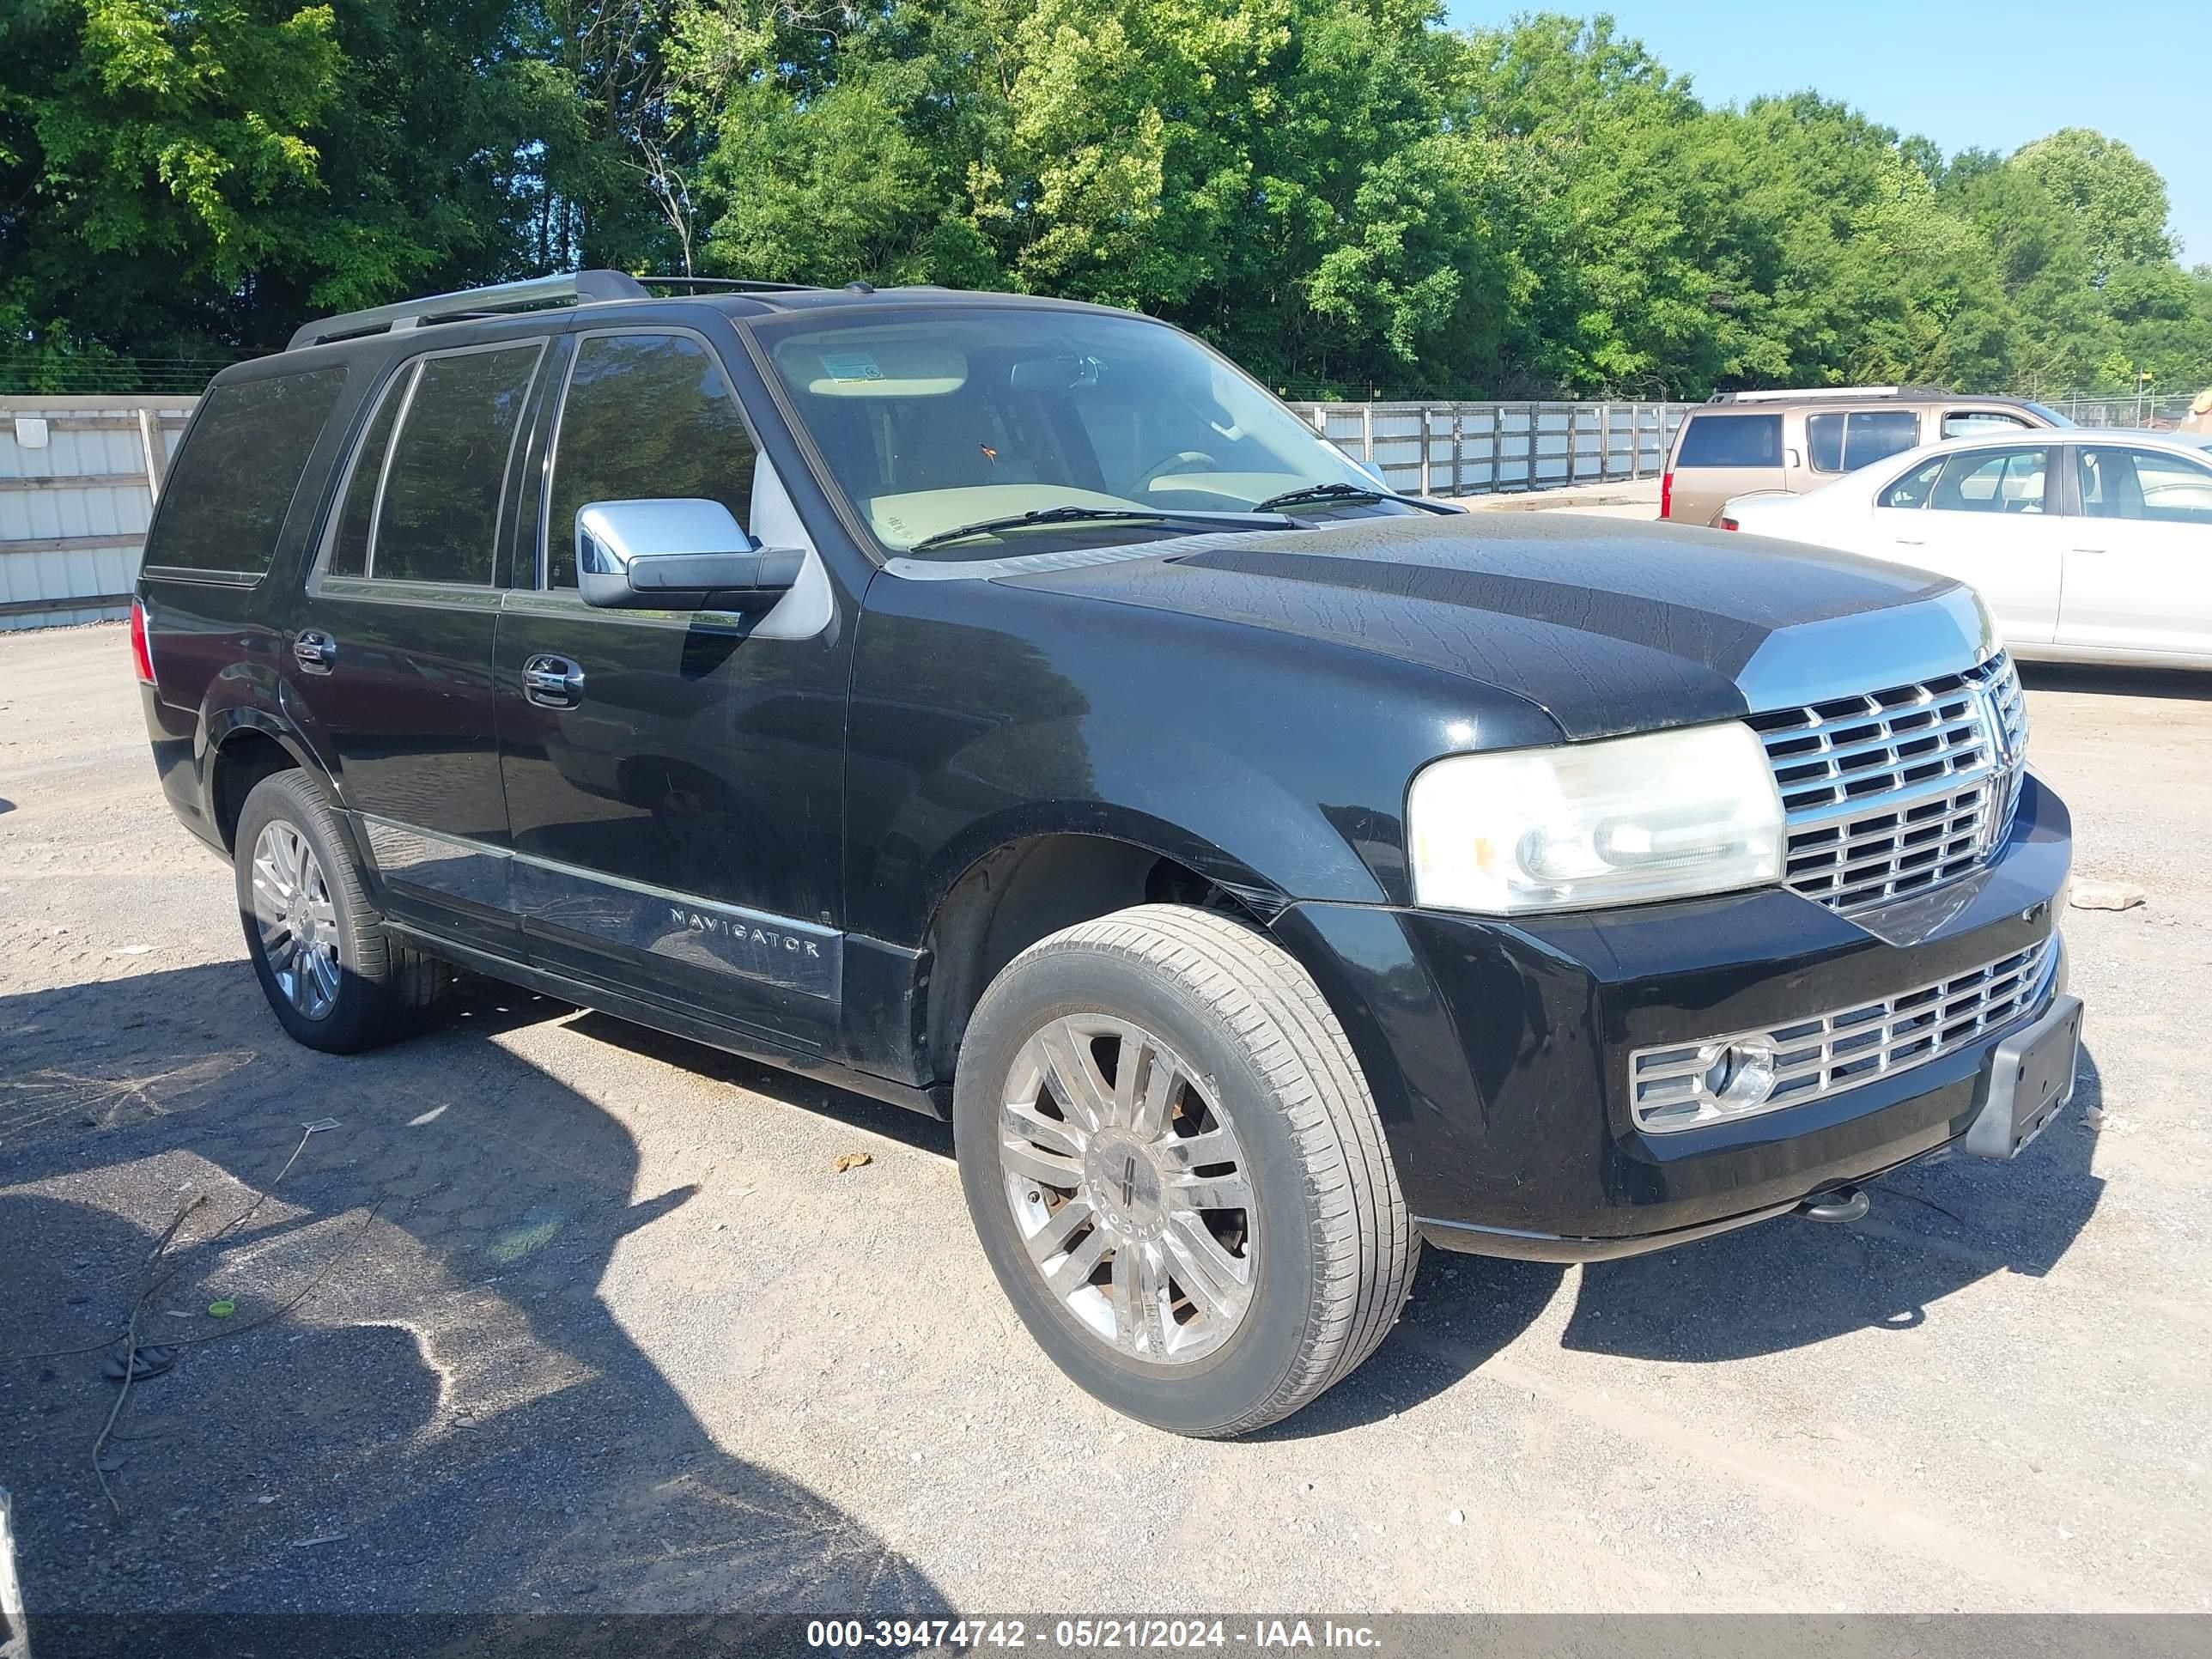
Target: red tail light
1667	494
141	654
1729	524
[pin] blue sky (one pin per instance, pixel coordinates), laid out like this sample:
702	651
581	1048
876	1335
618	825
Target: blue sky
1992	73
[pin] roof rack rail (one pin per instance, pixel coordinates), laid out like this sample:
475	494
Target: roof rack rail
1785	395
573	288
729	285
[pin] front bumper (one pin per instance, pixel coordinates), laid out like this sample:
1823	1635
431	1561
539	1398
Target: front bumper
1500	1052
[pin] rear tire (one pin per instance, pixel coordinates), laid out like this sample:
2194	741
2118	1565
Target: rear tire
335	979
1176	1170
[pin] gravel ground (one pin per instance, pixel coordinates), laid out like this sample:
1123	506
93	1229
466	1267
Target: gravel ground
590	1323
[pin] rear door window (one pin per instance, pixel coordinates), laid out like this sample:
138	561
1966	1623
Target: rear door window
229	489
1992	481
1842	443
437	520
647	416
1731	441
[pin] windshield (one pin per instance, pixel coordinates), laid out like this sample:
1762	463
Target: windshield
967	416
2048	413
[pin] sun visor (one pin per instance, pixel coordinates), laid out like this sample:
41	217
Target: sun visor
864	368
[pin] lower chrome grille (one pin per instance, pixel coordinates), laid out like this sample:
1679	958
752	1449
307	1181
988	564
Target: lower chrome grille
1892	793
1675	1088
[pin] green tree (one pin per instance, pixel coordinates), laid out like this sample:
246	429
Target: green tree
226	171
1345	195
2118	198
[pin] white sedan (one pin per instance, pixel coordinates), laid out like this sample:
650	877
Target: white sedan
2087	545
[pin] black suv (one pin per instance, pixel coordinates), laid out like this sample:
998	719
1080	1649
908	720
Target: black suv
1005	708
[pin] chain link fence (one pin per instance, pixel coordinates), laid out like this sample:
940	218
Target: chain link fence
2162	411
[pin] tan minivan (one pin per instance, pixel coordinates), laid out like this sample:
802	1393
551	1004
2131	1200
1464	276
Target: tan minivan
1784	443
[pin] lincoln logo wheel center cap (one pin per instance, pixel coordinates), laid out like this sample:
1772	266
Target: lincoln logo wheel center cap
1125	1184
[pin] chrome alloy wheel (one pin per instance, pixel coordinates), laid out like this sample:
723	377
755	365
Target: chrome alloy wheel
298	923
1128	1188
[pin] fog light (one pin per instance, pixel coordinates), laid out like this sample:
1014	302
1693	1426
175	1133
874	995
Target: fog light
1738	1074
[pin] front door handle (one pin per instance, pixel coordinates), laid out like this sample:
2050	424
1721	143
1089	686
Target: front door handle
315	650
2088	550
553	682
1912	541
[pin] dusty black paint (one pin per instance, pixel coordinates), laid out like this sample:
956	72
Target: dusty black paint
1245	709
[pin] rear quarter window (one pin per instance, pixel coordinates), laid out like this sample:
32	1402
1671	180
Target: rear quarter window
224	501
1731	441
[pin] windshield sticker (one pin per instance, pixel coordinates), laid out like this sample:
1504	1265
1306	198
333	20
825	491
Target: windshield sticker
850	366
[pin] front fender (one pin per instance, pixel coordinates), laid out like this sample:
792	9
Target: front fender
1204	808
982	713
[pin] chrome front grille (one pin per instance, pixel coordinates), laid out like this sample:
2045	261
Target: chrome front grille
1677	1088
1889	793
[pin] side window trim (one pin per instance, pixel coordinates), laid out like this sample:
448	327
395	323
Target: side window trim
541	555
581	338
384	465
516	565
507	467
2064	491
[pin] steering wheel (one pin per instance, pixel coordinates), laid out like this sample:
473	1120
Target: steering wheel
1182	457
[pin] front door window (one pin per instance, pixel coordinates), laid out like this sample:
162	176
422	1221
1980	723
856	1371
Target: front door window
2150	485
649	416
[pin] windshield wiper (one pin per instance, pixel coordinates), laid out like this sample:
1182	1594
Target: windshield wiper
1316	495
1074	514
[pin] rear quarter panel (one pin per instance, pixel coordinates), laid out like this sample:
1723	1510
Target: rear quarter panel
216	640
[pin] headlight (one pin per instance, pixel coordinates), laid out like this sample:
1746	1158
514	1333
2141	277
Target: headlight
1621	821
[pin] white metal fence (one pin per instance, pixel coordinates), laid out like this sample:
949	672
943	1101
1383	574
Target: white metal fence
1477	448
77	481
78	474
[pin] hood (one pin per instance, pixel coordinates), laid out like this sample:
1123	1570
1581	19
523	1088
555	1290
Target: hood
1609	627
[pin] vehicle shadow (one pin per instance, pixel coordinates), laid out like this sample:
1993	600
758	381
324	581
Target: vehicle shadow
1934	1229
786	1088
2104	680
450	1419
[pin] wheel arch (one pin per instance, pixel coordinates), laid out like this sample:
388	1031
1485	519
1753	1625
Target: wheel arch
1023	883
242	750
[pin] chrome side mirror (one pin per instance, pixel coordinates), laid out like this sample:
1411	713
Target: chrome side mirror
676	554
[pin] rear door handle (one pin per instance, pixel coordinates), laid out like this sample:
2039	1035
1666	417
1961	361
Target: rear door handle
553	682
315	650
1912	541
2088	550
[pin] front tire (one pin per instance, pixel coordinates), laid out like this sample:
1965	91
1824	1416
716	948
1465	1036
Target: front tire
1176	1170
335	979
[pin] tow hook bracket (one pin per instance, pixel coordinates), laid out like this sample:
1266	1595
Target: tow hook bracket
1837	1204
